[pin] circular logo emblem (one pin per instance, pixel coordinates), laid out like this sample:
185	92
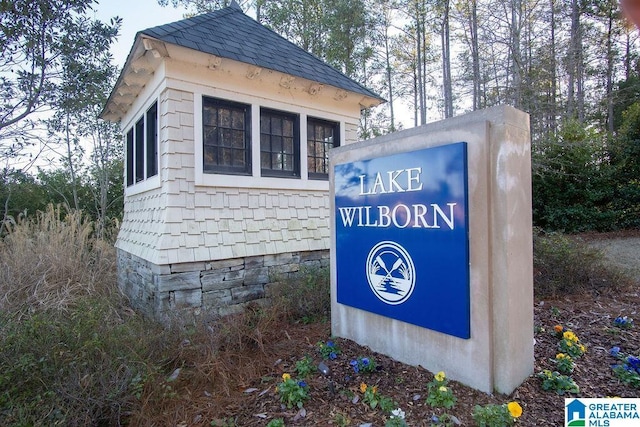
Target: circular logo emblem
391	273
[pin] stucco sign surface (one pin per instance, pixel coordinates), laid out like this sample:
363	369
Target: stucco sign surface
402	237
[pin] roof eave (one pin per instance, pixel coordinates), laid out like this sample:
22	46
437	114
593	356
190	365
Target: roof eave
142	61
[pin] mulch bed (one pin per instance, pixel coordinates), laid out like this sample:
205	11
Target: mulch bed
336	399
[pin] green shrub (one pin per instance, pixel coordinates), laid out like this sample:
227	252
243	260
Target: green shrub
304	297
86	366
564	265
554	381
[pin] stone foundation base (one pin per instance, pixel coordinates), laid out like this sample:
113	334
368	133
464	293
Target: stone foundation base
217	287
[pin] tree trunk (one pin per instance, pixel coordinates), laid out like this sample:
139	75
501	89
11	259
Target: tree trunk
72	169
553	107
446	63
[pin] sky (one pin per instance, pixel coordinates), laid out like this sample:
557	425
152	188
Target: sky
136	15
142	14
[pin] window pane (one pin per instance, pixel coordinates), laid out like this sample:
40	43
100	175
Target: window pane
152	140
237	119
276	144
265	160
287	162
210	116
238	158
227	156
311	164
139	137
287	127
209	154
130	157
226	132
225	137
265	125
319	142
288	145
237	140
276	161
210	136
276	126
279	143
265	143
224	117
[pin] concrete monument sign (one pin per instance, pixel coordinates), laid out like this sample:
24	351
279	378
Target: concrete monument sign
432	259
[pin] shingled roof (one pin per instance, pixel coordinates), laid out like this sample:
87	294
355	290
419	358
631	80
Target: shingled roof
229	33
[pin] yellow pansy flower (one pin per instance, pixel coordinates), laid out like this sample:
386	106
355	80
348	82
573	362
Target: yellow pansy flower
568	335
560	356
286	376
363	387
443	389
375	389
440	376
514	409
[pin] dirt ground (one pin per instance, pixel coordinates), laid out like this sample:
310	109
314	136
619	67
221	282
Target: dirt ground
336	399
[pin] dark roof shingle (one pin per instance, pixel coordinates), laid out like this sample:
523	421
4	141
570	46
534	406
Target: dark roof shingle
229	33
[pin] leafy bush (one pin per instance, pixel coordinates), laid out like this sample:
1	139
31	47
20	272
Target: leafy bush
328	350
493	415
554	381
628	367
293	393
575	183
305	297
305	367
439	394
564	265
86	366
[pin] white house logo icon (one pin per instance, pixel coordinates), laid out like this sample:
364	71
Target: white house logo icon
391	273
575	413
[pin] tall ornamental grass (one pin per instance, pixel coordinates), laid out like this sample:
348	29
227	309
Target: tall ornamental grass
50	260
72	352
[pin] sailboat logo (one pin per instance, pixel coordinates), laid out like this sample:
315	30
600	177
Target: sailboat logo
391	273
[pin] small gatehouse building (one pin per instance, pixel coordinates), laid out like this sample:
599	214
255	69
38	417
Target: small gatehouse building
227	127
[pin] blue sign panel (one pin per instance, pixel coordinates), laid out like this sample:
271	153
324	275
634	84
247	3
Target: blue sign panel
402	237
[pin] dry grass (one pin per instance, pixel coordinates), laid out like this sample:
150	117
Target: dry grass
74	353
220	357
50	260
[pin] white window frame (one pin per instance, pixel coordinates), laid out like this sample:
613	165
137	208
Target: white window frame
255	180
148	182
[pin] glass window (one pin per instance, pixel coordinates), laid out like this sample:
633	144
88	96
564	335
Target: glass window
322	135
130	157
142	147
226	136
279	144
139	162
152	140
